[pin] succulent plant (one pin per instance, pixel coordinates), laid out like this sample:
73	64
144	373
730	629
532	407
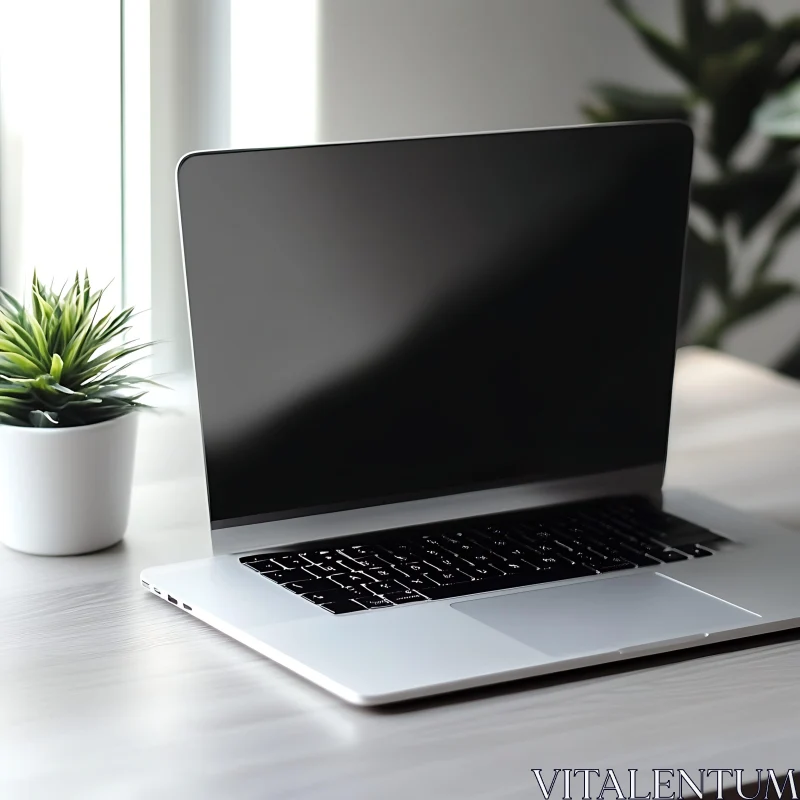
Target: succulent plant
59	366
728	62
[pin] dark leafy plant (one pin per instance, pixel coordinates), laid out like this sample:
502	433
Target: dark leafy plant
779	117
729	63
58	363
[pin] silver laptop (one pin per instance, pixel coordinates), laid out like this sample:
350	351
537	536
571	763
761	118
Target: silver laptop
434	378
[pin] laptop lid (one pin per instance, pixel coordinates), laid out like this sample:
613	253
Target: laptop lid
396	331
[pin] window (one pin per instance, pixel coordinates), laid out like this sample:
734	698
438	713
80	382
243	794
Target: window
99	99
60	162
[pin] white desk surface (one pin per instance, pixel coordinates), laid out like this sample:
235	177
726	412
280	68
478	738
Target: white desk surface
107	692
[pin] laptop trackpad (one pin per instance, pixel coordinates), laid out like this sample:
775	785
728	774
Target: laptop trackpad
605	615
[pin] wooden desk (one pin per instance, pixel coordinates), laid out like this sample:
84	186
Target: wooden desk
106	692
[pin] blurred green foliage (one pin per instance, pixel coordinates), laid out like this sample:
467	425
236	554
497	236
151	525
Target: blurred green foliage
729	61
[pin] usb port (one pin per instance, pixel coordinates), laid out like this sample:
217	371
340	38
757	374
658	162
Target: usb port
172	599
188	608
145	583
157	591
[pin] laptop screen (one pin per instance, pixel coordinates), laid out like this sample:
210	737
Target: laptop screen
384	321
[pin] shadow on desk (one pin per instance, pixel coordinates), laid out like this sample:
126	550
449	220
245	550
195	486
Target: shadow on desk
577	675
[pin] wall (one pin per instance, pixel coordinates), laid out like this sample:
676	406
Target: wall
390	68
190	110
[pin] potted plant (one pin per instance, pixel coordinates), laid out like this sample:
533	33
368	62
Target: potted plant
728	58
67	421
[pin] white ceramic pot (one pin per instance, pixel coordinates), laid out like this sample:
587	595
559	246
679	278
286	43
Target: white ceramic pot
66	491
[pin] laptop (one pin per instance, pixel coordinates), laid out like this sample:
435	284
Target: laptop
434	378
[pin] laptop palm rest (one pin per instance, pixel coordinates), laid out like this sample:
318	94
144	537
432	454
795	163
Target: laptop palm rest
605	615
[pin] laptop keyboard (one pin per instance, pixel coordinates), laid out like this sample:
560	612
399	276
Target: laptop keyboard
484	554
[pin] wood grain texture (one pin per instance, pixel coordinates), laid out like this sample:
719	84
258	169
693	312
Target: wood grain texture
107	692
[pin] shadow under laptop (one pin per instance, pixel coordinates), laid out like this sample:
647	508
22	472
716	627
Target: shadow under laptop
640	663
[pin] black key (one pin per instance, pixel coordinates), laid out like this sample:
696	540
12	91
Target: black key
255	557
401	546
378	574
518	567
567	545
613	564
329	596
481	573
668	556
395	559
549	550
562	573
415	568
350	590
264	566
322	556
447	561
532	561
398	598
364	576
502	582
367	563
525	553
640	559
607	547
457	535
464	549
707	537
569	559
487	558
342	606
353	559
289	576
698	551
322	570
551	562
355	550
684	533
446	578
384	587
351	581
669	529
417	582
289	561
648	548
431	552
508	550
533	536
328	568
313	585
436	563
373	601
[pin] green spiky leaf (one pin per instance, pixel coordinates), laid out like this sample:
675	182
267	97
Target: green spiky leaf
62	363
56	366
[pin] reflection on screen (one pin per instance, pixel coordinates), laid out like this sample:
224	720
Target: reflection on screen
401	319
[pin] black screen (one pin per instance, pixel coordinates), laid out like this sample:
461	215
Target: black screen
391	320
